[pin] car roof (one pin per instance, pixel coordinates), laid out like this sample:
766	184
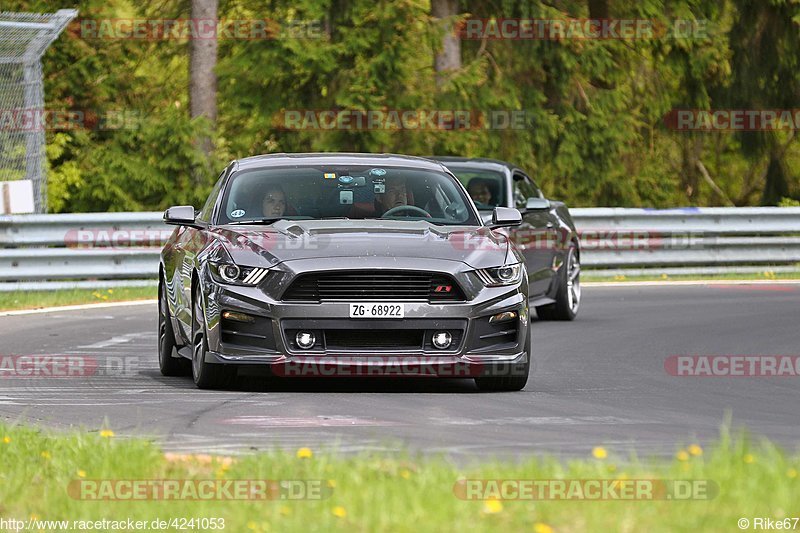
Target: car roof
477	162
338	158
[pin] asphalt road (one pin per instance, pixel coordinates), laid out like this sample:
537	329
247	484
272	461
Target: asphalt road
600	380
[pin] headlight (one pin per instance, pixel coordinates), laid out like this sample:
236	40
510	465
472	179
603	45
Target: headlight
501	276
233	274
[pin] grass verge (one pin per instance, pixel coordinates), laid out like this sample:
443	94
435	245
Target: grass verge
10	301
379	493
767	275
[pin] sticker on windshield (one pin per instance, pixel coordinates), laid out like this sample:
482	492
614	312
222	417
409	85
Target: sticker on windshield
239	213
377	172
329	175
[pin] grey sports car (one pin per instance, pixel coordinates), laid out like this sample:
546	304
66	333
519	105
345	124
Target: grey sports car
343	265
547	238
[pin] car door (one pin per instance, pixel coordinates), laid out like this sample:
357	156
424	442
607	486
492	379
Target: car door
537	236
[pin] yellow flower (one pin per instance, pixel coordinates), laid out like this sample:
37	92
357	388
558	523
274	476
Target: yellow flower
6	440
251	525
539	527
405	474
492	506
34	517
106	433
599	452
304	453
792	473
332	483
619	278
46	455
695	449
682	455
664	276
110	291
285	511
339	512
749	459
81	473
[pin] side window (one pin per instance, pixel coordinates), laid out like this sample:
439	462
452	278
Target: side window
524	188
208	208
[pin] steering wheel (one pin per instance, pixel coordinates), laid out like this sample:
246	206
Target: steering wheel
409	208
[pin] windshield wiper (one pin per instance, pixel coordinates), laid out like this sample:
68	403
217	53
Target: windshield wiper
257	221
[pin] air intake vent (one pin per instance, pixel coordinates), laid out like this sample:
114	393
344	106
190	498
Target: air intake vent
376	285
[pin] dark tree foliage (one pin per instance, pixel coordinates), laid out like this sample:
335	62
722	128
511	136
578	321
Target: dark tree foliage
594	110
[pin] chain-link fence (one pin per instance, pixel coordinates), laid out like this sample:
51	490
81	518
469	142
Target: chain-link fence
24	37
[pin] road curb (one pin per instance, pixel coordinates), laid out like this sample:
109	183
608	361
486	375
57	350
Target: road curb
82	307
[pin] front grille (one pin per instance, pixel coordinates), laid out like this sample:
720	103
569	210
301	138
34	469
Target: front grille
374	285
378	339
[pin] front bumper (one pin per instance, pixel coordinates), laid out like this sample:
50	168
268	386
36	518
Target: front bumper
368	347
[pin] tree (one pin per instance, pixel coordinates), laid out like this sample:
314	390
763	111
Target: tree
202	65
448	58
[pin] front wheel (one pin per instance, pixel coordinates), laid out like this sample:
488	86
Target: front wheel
518	377
168	362
205	375
568	295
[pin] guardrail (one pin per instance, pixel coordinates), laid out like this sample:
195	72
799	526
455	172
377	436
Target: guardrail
40	251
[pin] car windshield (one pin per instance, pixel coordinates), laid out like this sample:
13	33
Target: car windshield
265	195
486	187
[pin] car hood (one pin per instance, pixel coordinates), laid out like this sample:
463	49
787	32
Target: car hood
285	240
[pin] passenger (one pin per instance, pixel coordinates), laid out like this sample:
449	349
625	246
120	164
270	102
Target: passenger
274	202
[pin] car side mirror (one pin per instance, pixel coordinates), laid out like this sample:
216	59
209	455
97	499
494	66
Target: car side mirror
180	215
537	204
503	217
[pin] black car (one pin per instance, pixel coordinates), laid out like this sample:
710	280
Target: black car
546	238
343	265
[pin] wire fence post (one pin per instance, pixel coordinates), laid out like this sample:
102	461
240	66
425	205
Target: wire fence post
24	37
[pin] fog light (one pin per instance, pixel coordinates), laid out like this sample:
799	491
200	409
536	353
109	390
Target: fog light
305	339
503	317
238	317
442	340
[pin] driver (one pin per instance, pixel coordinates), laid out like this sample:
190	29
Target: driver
396	195
479	192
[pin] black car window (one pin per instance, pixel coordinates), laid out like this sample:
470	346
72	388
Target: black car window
208	208
355	192
485	187
524	188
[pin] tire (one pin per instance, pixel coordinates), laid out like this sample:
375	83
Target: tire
568	295
514	382
169	364
206	375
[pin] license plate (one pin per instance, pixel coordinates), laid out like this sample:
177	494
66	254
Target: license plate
377	310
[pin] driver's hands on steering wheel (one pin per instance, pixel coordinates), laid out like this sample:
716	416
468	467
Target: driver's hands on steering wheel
410	208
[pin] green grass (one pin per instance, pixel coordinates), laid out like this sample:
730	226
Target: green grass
38	299
766	275
392	493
